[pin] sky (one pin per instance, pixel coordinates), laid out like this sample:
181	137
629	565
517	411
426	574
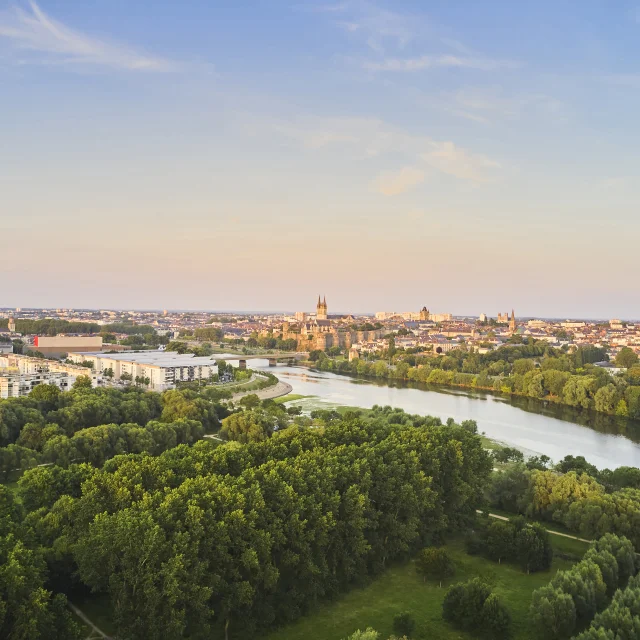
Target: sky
472	157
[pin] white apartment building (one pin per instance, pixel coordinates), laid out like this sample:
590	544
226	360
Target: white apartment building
162	368
19	375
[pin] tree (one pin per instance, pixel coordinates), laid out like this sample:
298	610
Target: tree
496	620
250	401
626	358
435	563
82	383
404	624
532	548
500	542
508	488
463	604
248	426
368	634
552	613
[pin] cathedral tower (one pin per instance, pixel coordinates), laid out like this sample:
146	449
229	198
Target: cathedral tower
512	324
321	309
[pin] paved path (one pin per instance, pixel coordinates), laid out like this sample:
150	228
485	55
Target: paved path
553	533
276	391
95	631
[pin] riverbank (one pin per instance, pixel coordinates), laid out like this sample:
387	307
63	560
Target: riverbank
533	429
277	391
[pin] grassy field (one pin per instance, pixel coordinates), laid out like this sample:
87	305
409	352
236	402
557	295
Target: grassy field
400	589
291	397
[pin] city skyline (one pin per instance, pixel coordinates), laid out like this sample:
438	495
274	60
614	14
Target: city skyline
386	152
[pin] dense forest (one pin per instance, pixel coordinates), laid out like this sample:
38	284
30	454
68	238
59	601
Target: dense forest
226	537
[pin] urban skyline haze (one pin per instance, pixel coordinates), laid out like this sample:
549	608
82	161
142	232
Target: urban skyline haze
468	156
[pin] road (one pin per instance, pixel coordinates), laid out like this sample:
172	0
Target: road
553	533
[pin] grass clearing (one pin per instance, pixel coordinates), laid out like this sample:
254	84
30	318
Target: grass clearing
291	397
401	589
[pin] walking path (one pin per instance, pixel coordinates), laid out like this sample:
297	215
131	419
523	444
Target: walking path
276	391
554	533
95	631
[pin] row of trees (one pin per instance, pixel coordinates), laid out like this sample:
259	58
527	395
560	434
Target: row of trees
202	540
515	540
573	597
95	444
576	500
535	371
621	619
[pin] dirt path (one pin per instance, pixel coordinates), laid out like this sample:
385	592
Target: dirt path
95	631
553	533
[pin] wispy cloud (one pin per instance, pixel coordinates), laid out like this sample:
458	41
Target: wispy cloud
450	159
438	61
41	39
372	138
379	27
393	184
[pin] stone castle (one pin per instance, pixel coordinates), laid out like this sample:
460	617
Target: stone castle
322	333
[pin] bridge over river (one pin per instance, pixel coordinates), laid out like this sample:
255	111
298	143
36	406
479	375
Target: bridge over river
273	358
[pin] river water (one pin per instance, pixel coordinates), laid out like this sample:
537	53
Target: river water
531	426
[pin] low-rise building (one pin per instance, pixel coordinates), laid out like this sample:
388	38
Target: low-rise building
162	369
19	374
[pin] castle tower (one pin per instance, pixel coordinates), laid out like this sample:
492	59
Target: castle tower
512	324
321	309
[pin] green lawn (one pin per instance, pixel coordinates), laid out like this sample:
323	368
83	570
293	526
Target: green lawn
291	397
400	589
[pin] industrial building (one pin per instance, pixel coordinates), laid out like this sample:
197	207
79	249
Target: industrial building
57	346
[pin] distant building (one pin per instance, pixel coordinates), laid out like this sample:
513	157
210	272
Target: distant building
12	325
482	317
616	325
56	346
321	333
300	316
321	309
425	316
512	323
354	354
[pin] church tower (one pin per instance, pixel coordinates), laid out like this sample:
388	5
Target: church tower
11	325
512	324
321	309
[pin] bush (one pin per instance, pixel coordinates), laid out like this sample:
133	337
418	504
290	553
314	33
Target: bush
496	620
463	604
434	563
404	624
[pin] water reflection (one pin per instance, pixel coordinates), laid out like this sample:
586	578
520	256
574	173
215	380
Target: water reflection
532	426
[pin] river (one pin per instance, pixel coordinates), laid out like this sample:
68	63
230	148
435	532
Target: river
529	425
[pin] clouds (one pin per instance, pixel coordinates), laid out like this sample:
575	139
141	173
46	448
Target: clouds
438	61
40	39
450	159
375	141
393	184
